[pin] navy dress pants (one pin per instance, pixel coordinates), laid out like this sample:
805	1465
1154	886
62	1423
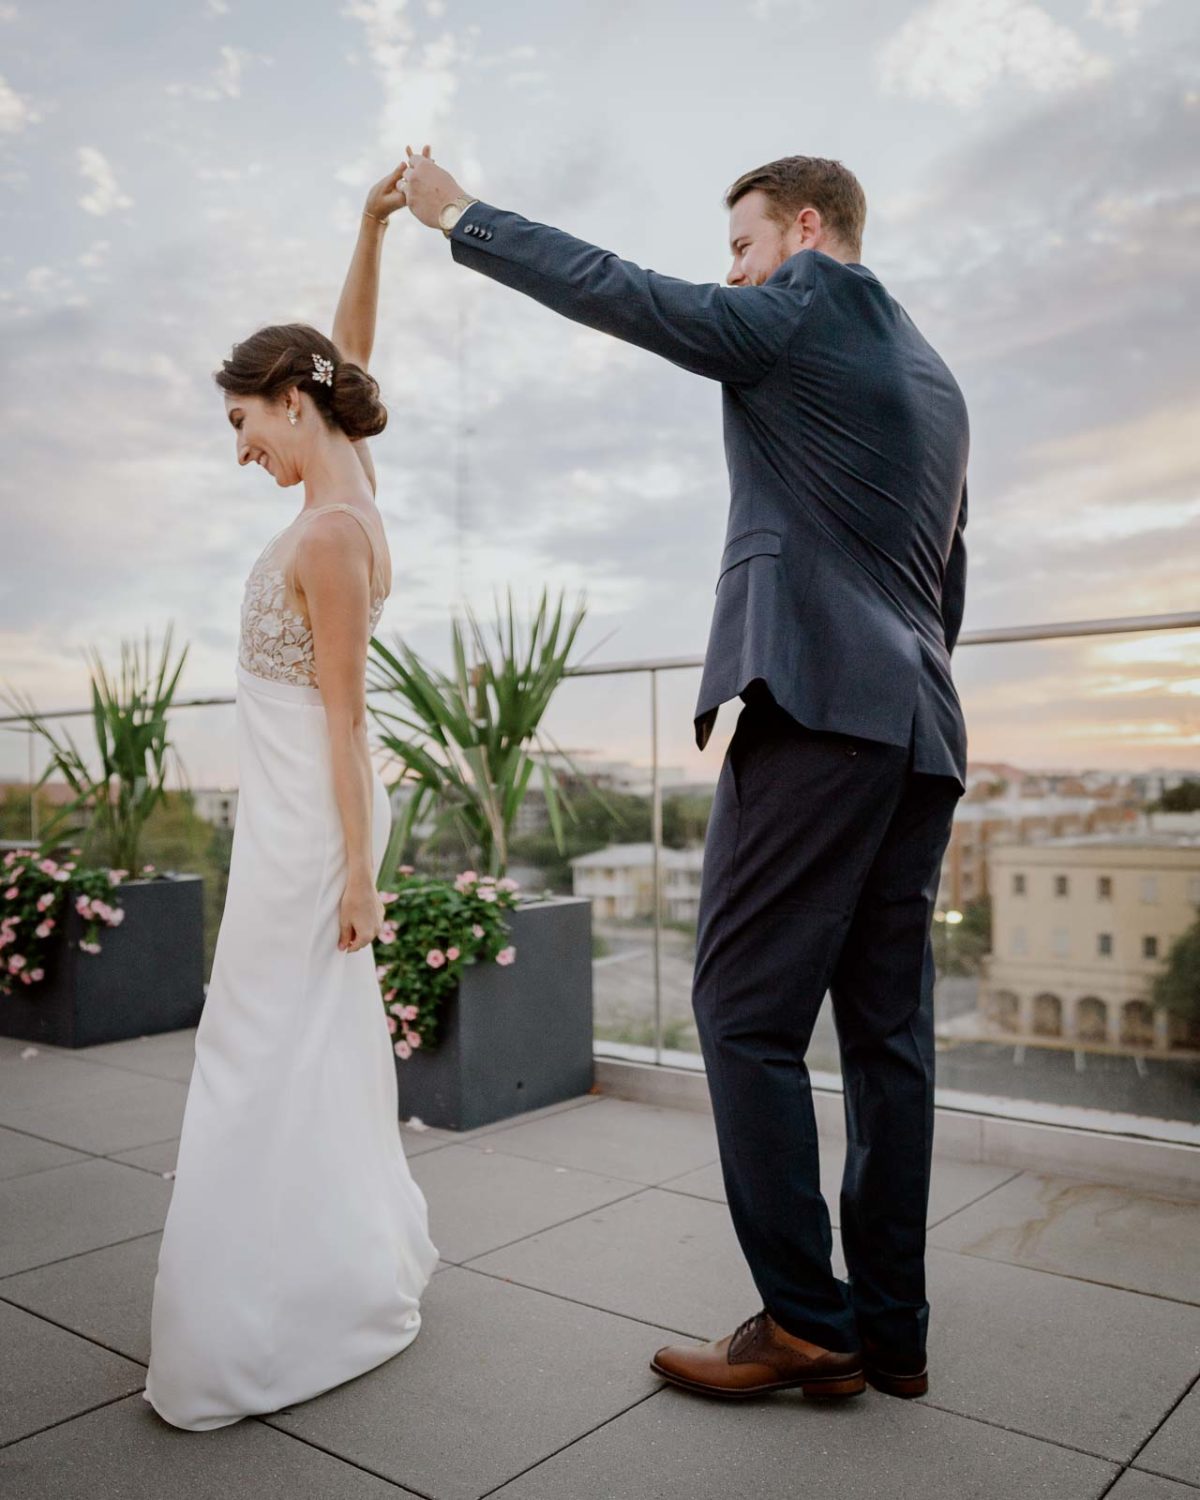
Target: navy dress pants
821	869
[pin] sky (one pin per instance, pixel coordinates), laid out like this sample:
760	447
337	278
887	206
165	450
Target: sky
172	177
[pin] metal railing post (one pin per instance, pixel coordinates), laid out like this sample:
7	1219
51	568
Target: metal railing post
656	836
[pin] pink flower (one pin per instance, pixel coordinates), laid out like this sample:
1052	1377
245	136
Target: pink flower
62	876
147	869
83	906
387	897
488	880
89	947
402	1050
387	932
44	929
381	971
102	910
435	958
477	930
15	964
413	1038
115	877
27	978
451	954
408	1012
12	893
46	901
506	956
391	995
47	867
508	884
485	894
116	915
392	1024
406	869
35	975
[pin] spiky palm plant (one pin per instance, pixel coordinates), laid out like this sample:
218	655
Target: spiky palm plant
464	739
129	717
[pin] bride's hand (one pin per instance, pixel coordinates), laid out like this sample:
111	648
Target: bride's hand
388	193
359	916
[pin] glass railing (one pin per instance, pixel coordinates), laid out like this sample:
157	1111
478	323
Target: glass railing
1046	999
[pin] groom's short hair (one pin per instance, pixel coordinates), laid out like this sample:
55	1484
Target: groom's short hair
796	182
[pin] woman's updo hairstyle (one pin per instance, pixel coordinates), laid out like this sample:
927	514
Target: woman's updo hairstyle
274	359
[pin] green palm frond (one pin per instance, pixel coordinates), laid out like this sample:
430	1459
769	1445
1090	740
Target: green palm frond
464	737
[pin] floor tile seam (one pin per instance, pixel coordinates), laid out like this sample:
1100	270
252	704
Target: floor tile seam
1112	1286
103	1062
87	1338
557	1224
1166	1417
45	1140
89	1157
542	1161
1160	1474
963	1207
581	1437
611	1312
266	1419
7	1443
75	1255
1036	1437
548	1112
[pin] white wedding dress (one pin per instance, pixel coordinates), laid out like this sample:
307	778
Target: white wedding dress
296	1246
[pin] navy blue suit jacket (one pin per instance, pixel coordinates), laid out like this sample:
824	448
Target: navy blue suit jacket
842	580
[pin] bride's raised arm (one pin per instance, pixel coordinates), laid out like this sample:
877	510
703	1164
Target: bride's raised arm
354	321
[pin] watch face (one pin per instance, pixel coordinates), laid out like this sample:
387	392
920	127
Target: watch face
450	216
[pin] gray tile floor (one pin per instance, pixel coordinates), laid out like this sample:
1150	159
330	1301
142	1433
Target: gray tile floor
1064	1340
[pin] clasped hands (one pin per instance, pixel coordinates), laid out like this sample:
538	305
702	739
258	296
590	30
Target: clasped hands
419	184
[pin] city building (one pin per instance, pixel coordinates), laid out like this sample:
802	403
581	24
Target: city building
1080	928
619	881
216	805
1017	808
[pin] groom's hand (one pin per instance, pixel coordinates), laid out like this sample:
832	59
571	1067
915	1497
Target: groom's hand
428	187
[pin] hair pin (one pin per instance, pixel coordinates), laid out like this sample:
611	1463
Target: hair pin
322	370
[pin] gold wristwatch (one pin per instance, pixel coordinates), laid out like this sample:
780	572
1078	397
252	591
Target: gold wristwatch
452	212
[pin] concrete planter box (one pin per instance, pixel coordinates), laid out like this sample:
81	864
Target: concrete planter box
148	976
513	1038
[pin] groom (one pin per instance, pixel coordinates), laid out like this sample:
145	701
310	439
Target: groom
838	601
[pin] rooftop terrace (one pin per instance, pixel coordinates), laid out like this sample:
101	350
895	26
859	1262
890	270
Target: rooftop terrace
1064	1342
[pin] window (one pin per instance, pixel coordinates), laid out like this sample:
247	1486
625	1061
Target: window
1020	942
1104	944
1104	888
1060	943
1149	889
1149	947
1061	886
1018	885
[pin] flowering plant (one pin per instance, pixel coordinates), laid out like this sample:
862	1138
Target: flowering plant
433	928
34	890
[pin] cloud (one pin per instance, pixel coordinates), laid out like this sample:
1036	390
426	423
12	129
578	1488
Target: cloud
16	112
1121	15
105	195
959	50
225	81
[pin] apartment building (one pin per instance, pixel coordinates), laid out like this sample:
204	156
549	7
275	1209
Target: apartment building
619	882
1080	927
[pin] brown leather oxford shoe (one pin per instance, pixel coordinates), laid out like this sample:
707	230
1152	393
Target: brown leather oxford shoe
894	1373
757	1357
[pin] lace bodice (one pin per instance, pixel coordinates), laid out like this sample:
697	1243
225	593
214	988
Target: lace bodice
276	641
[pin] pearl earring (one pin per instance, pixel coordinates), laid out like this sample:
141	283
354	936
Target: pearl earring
292	417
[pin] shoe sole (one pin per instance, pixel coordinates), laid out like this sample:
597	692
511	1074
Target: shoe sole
823	1388
905	1386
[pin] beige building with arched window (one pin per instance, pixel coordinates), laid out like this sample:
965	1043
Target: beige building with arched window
1080	927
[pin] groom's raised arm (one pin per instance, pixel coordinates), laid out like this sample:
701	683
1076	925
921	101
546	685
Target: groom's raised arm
732	334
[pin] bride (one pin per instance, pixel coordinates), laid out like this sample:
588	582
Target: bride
296	1248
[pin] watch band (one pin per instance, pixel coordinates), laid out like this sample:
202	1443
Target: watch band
461	204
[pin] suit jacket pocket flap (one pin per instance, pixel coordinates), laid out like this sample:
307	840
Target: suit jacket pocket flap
750	544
